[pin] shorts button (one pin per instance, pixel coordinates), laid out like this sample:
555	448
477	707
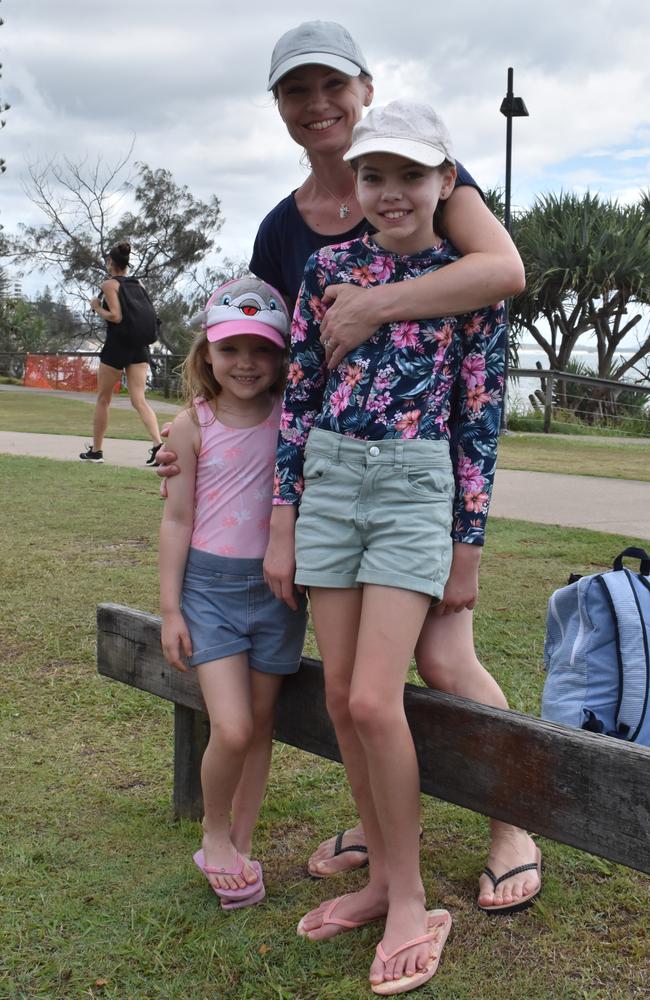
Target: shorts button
374	451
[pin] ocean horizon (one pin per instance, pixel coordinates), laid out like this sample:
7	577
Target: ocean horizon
529	354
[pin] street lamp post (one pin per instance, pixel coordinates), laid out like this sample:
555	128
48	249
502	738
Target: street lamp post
511	107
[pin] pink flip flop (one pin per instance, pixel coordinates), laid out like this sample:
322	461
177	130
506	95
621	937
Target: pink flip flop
439	922
330	920
232	895
257	897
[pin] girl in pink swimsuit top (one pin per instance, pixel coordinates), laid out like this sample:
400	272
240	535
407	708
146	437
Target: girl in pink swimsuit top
218	615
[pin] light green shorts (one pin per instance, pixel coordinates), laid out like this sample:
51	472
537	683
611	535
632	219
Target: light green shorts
375	512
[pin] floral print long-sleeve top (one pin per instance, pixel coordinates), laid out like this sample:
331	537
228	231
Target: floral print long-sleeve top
431	379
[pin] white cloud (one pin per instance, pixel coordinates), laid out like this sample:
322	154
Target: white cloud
188	81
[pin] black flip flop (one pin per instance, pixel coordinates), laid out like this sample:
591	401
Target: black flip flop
524	903
339	849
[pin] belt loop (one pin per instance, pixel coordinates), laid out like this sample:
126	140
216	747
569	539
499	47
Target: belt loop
399	454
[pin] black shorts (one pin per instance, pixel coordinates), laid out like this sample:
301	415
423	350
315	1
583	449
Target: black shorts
120	356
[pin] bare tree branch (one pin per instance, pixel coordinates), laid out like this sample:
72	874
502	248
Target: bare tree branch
170	231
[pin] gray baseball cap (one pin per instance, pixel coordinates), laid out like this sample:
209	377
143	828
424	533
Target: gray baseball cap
405	128
324	43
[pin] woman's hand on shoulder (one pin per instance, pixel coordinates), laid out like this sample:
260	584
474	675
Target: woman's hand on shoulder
349	321
166	460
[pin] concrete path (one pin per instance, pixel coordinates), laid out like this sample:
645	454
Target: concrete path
617	506
67	448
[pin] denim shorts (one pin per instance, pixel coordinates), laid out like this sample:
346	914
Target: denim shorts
375	512
229	609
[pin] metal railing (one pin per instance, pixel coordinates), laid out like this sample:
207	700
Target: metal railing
564	397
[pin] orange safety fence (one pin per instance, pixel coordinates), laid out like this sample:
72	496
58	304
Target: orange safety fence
62	371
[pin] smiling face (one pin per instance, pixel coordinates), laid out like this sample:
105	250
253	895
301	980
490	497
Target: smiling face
399	197
245	366
320	107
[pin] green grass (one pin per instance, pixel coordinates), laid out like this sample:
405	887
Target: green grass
99	895
580	456
564	422
42	414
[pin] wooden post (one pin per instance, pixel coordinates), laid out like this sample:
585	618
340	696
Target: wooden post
166	391
548	404
191	735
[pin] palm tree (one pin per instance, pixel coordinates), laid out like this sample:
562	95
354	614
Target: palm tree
587	266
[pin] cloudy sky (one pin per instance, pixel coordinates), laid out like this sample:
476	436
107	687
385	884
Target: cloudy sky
188	81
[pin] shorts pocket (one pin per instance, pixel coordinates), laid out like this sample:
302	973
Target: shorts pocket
432	484
316	465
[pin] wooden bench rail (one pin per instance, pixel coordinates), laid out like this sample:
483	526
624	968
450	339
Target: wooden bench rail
589	791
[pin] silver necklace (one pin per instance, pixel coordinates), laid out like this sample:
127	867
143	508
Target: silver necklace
344	208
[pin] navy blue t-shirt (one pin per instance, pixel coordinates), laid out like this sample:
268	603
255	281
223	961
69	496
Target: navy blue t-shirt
284	242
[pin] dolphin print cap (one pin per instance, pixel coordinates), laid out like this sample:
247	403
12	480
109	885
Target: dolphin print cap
246	305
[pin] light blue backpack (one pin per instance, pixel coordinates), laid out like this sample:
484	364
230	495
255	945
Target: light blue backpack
597	652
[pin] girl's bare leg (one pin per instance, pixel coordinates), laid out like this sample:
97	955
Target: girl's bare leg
365	700
106	379
225	685
136	381
391	620
249	794
336	615
447	661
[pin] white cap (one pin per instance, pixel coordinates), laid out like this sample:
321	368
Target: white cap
405	128
323	43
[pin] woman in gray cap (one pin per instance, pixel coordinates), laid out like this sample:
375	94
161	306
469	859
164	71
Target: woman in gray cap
321	82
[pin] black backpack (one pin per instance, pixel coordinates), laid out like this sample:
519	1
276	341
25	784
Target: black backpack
140	323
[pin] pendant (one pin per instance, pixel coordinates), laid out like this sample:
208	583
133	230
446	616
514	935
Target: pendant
344	211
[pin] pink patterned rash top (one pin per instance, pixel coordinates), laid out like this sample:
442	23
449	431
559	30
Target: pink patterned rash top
234	485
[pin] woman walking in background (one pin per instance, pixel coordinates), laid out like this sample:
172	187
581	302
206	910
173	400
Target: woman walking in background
130	328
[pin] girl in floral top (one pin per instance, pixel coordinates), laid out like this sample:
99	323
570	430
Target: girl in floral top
364	449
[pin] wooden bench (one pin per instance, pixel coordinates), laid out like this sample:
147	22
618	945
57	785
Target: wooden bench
575	787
